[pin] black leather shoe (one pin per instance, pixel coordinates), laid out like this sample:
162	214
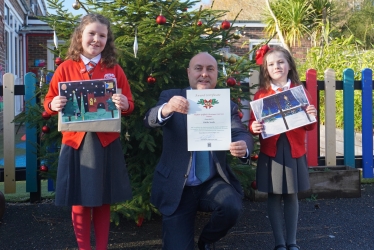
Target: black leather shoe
205	246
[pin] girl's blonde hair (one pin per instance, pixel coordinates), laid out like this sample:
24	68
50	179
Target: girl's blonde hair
108	55
265	78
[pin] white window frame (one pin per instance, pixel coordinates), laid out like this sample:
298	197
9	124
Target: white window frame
50	55
13	44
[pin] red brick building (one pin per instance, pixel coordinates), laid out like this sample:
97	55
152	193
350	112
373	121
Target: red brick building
21	36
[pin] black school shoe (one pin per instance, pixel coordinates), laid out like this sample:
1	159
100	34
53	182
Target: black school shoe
293	246
205	246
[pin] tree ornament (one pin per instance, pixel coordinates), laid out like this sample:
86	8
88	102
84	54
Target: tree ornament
237	35
226	56
224	70
135	47
55	39
199	23
161	20
151	79
254	185
140	220
231	81
76	5
46	129
58	61
225	25
240	115
43	168
254	157
232	59
46	115
215	28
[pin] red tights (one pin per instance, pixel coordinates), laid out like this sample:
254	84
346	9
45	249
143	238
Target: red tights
81	217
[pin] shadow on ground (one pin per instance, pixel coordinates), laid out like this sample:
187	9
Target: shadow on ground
323	224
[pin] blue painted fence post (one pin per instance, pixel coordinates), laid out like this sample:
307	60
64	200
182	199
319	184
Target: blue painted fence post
367	123
348	115
31	133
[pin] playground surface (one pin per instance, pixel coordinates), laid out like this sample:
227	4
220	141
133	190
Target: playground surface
323	224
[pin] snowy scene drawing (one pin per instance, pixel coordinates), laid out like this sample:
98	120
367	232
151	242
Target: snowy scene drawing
282	111
89	100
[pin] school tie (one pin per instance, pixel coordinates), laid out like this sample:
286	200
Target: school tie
91	65
279	89
202	165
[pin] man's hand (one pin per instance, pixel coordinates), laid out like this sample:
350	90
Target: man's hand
238	148
176	104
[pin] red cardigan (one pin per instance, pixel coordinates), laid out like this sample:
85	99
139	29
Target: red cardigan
296	137
75	71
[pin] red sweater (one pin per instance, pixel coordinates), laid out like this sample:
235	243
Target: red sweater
75	71
296	137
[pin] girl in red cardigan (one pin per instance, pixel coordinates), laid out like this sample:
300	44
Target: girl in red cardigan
91	171
282	169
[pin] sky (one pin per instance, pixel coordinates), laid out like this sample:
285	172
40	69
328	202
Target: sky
69	3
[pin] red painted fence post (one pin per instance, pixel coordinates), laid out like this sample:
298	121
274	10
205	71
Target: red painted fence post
312	136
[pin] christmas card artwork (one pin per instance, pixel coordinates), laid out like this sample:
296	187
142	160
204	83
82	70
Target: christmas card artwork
283	111
89	106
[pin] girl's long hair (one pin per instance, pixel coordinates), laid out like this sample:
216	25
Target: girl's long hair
108	55
265	78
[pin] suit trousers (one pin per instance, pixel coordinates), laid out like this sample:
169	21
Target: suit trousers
214	195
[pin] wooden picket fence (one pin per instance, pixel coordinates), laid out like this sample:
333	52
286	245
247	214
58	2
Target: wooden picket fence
329	85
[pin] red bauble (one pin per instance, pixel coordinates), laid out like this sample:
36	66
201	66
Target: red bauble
225	25
45	129
151	80
161	20
254	157
240	115
46	115
58	61
231	81
43	168
140	220
199	23
254	185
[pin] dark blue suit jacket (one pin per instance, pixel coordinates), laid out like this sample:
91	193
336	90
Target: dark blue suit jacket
175	162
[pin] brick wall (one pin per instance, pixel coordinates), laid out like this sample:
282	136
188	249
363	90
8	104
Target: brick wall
36	50
299	52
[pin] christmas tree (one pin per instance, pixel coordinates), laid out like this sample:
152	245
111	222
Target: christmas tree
155	41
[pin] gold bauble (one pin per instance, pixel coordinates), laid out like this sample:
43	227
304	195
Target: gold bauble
216	28
226	57
232	59
76	5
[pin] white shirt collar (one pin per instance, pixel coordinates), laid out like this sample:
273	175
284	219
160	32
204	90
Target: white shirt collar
285	87
96	59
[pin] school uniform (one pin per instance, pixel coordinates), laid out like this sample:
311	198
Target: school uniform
91	168
281	166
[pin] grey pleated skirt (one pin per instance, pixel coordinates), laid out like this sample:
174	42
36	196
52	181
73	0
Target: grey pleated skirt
92	175
282	174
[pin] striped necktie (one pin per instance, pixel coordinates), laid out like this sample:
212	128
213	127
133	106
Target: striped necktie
202	165
91	65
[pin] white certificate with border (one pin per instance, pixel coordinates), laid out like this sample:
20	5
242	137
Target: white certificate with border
209	120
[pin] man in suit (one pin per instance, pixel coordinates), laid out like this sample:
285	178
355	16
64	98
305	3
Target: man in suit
176	190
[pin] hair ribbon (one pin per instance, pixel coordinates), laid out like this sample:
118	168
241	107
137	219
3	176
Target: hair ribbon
260	53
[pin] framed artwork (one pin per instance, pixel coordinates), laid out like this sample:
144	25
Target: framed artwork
89	106
282	111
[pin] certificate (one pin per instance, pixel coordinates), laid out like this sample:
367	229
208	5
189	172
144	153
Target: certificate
209	120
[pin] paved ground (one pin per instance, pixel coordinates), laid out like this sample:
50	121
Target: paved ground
323	224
